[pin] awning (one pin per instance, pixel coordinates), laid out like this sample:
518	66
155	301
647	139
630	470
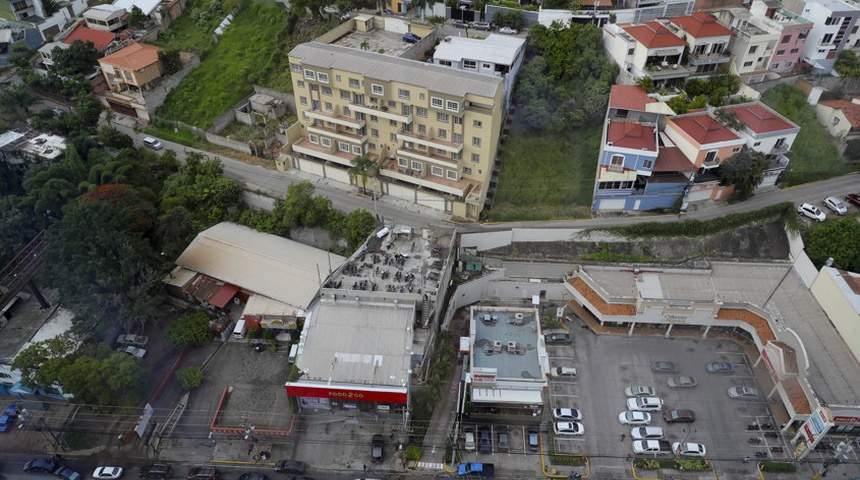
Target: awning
224	295
666	52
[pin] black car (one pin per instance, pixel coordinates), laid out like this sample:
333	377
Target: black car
66	473
377	449
253	476
557	337
46	465
485	444
291	466
203	473
155	471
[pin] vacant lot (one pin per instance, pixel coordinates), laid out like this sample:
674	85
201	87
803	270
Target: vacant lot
546	175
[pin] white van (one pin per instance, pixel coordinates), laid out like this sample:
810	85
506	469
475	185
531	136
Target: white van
152	143
240	330
469	440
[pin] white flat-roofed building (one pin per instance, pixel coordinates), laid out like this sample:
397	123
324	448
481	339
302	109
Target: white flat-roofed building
355	355
508	360
44	147
108	18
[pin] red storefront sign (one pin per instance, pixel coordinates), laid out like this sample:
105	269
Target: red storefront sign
346	394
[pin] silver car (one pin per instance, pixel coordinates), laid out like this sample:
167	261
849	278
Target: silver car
682	382
744	393
639	391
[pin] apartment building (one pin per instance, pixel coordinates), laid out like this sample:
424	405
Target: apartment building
792	29
753	47
645	50
835	29
24	9
707	41
432	131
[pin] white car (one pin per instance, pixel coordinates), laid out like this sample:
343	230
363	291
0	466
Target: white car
688	449
644	404
634	418
566	414
508	31
646	433
653	447
563	372
133	351
836	205
745	393
568	428
639	391
331	9
107	473
811	211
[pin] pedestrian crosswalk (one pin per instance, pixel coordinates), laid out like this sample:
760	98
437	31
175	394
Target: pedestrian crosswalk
430	465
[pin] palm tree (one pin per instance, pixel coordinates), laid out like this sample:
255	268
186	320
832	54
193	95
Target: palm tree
363	166
365	45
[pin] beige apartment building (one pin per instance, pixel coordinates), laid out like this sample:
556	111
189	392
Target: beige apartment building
432	131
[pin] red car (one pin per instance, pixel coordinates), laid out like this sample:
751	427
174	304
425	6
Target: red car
853	198
679	416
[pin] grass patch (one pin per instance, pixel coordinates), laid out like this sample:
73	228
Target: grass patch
605	255
547	175
777	467
177	135
6	12
242	58
192	33
813	155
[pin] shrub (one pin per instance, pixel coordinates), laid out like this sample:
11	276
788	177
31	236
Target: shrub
777	467
413	452
190	377
569	460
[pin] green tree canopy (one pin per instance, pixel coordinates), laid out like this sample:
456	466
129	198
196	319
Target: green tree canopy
189	331
848	64
136	18
79	59
41	363
190	377
837	239
201	188
744	170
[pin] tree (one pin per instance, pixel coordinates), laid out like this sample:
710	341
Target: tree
113	138
852	150
21	55
136	18
170	61
836	239
359	224
848	64
190	377
15	103
40	363
744	170
189	331
125	377
362	167
79	59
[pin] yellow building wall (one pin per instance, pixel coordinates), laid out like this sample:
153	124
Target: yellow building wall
839	310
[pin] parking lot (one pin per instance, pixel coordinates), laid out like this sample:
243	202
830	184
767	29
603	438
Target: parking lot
608	364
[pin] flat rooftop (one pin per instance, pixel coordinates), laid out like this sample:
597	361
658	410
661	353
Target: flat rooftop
776	288
516	327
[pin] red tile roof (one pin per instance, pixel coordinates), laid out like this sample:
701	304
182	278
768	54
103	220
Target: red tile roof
100	39
631	135
761	119
629	97
703	129
654	35
672	159
851	110
701	25
134	56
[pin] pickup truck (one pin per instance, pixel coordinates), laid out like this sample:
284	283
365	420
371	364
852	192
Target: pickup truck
476	470
133	340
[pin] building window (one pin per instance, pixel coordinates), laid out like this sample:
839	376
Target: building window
300	83
403	93
780	52
794	50
392	123
402	162
303	101
437	171
392	104
374	118
476	141
785	39
392	137
476	157
377	89
470	64
356	150
452	106
711	156
456	156
631	51
753	49
442	133
295	67
774	66
436	102
315	87
309	74
616	161
422	129
458	121
337	78
833	20
421	112
457	138
441	117
371	146
314	139
322	77
344	95
421	96
467	171
374	133
353	83
451	174
827	39
343	146
346	111
756	144
328	107
748	64
325	142
615	185
326	91
648	164
416	166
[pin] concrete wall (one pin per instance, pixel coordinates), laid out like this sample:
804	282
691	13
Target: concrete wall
531	17
226	142
842	314
226	118
336	32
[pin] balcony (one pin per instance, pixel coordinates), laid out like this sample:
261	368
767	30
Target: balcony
21	6
709	59
337	134
711	163
336	119
429	142
781	148
460	188
331	154
427	157
664	72
381	112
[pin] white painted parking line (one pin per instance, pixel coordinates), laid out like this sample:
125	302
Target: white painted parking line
564	395
430	465
572	439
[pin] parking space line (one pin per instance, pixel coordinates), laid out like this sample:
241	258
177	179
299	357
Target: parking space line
564	395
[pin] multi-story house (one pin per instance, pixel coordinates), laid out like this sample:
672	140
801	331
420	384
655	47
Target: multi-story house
107	18
707	41
792	29
840	117
23	9
752	46
134	67
431	131
835	26
766	132
645	50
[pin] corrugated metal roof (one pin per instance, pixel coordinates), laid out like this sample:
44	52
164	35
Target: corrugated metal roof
272	266
498	49
146	6
435	78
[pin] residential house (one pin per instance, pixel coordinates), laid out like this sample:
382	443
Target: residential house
767	132
432	131
645	50
707	41
753	47
18	147
107	18
101	40
840	117
24	9
46	53
134	67
496	55
835	29
160	12
791	27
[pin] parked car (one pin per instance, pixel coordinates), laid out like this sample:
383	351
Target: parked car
646	433
557	337
460	24
291	466
836	205
652	447
45	464
133	351
202	473
504	442
720	367
566	414
563	372
534	439
482	26
508	31
469	443
644	404
639	391
8	418
811	211
107	473
744	393
665	367
155	471
66	473
152	143
679	416
687	449
568	428
331	9
410	37
253	476
377	449
134	340
485	442
634	417
682	382
853	198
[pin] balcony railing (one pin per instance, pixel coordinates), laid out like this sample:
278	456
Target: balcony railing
712	163
331	117
429	142
336	134
710	59
781	148
381	112
667	71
